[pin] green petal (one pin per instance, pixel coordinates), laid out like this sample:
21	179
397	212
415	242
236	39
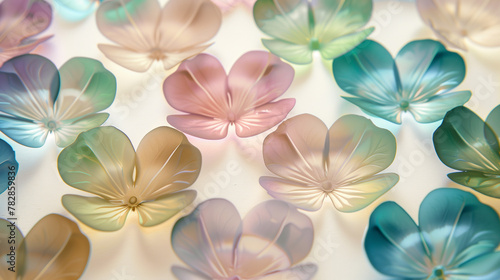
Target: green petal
394	245
155	212
487	184
298	54
493	120
457	227
436	107
70	129
95	212
341	45
5	232
465	142
100	161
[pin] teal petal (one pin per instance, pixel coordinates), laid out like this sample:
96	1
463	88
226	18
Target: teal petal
493	120
394	245
75	10
436	107
8	165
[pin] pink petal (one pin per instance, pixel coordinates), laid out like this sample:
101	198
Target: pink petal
130	23
130	59
256	78
26	47
187	23
263	118
225	5
206	238
299	272
200	126
295	150
198	87
280	224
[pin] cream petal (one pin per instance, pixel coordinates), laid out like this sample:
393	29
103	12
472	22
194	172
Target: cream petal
186	274
132	60
155	212
166	163
70	129
299	272
171	59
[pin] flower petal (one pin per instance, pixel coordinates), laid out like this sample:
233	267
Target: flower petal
305	197
263	118
295	150
25	47
357	149
486	184
487	266
198	87
426	68
390	111
6	228
341	45
69	130
75	10
493	120
55	249
187	274
275	223
95	212
436	107
24	132
166	163
394	245
185	24
465	142
206	238
86	87
155	212
453	221
354	197
171	59
8	166
100	161
130	23
199	126
287	20
299	272
130	59
297	54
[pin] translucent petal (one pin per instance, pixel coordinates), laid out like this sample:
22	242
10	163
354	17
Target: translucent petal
95	212
394	245
186	24
493	120
130	23
23	131
171	59
100	161
55	249
453	221
165	163
388	111
69	129
299	272
341	45
436	107
487	184
426	68
298	54
206	238
86	88
277	223
155	212
8	165
200	126
225	5
75	10
25	47
187	274
455	21
465	142
482	265
130	59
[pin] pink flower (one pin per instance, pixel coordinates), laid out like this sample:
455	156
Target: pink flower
244	98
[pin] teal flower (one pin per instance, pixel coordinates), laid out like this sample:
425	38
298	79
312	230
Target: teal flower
455	239
418	80
465	142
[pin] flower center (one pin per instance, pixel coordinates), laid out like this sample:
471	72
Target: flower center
156	54
314	44
133	202
327	186
51	125
404	105
439	273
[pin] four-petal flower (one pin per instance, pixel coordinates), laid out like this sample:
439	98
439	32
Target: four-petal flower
267	244
455	239
418	80
152	180
340	163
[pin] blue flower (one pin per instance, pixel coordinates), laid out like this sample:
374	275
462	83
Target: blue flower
455	239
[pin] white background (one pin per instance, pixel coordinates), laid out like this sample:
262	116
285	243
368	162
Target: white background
231	167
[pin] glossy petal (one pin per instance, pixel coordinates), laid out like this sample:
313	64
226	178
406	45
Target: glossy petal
146	32
102	161
19	21
300	27
75	10
299	272
218	245
226	5
55	249
244	97
35	100
456	237
455	21
341	163
418	80
8	166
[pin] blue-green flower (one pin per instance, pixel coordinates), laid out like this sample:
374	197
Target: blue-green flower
418	80
455	239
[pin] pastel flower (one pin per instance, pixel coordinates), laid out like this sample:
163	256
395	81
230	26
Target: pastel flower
418	80
146	33
300	27
267	244
102	161
8	167
36	99
55	248
466	143
455	239
75	10
226	5
340	163
244	98
456	21
20	20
